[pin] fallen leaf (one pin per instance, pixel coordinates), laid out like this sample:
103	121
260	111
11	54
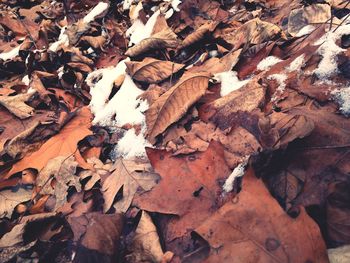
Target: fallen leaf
174	103
189	187
199	33
62	144
145	246
163	39
9	199
152	70
15	104
243	230
131	175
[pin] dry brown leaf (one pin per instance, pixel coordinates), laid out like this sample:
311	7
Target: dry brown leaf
131	175
245	99
62	170
308	15
174	103
164	39
199	33
242	229
94	175
152	70
10	199
146	246
62	144
15	104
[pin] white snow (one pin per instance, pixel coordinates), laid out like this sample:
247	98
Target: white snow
305	31
175	4
229	82
60	72
132	145
97	10
280	78
11	54
62	40
342	97
329	51
127	4
140	31
296	64
26	80
237	172
268	62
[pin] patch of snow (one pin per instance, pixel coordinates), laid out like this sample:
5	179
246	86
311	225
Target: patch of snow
229	82
127	4
62	40
280	78
174	4
213	53
296	63
342	97
169	13
237	172
11	54
140	31
329	51
97	10
26	80
305	30
132	145
60	72
268	62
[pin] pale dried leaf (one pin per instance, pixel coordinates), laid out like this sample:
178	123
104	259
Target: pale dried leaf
10	199
15	104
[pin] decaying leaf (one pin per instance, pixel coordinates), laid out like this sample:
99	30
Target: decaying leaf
146	245
163	39
10	199
129	175
174	103
198	34
152	70
15	104
243	230
61	169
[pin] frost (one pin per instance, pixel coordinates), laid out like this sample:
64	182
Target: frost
140	31
342	97
268	62
229	82
296	63
97	10
280	78
132	145
237	172
26	80
305	31
329	51
11	54
62	40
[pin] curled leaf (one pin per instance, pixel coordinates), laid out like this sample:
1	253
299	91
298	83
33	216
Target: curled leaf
199	33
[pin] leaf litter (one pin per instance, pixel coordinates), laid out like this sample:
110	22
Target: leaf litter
174	131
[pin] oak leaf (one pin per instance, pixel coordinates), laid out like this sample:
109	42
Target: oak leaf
152	70
174	103
62	144
16	104
10	199
131	175
243	230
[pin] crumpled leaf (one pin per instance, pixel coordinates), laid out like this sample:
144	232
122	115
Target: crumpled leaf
15	104
163	39
308	15
199	33
152	70
243	230
62	144
131	175
10	199
189	187
146	245
62	170
174	103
